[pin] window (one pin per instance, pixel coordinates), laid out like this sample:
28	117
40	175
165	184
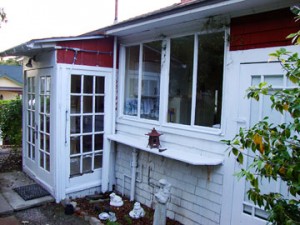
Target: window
196	77
193	87
86	123
142	80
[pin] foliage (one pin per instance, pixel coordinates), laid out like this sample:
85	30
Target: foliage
10	62
11	121
3	17
274	149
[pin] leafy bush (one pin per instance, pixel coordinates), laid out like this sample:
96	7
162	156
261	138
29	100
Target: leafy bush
11	121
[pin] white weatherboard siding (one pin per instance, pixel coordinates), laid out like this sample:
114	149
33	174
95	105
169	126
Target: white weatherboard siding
196	193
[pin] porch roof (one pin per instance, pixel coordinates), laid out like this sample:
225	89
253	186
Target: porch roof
34	46
179	16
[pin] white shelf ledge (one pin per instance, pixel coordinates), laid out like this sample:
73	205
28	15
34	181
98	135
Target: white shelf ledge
192	158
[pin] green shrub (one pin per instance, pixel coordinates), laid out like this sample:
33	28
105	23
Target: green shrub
11	121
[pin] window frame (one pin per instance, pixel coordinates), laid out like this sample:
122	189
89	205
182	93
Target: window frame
164	86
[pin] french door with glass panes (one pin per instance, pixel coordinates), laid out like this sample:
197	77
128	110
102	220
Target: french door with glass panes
86	126
37	123
244	211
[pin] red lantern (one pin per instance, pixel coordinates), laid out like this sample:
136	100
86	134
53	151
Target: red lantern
153	141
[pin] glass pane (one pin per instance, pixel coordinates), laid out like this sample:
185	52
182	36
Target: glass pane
87	104
33	84
42	85
98	161
75	84
33	118
42	108
42	127
47	166
98	142
99	104
87	143
210	80
41	141
88	84
42	159
99	85
47	143
75	165
33	151
131	80
87	124
75	104
181	77
47	98
275	80
75	124
48	85
151	80
29	150
255	80
87	163
75	145
47	124
99	123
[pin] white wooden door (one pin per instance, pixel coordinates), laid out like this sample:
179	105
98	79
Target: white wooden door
244	212
87	124
38	156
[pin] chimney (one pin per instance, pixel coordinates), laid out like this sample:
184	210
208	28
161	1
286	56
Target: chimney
116	11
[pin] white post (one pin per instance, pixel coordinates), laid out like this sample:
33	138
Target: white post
133	173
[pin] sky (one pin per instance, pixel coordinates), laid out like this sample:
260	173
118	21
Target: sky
34	19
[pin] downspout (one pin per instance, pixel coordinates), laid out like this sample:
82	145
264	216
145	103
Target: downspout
133	173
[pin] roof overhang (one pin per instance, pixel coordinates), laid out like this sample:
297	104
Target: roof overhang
182	17
35	46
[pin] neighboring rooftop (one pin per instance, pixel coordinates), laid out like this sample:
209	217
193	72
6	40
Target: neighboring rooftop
14	73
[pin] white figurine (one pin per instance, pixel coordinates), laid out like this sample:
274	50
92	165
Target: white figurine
137	211
115	200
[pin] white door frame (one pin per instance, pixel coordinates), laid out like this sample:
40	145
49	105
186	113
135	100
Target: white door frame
31	166
65	184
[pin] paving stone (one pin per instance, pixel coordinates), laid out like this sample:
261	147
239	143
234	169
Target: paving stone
5	208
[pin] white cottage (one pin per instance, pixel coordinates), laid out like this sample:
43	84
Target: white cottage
90	100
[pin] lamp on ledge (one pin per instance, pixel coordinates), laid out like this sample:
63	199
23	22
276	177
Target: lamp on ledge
153	141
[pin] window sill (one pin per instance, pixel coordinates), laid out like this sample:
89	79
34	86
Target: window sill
193	158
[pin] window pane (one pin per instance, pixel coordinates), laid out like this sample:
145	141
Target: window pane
99	85
87	163
41	159
87	124
181	78
75	124
99	123
47	167
75	104
76	84
98	142
209	80
99	104
75	166
98	161
75	145
151	80
87	143
131	80
87	104
88	84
